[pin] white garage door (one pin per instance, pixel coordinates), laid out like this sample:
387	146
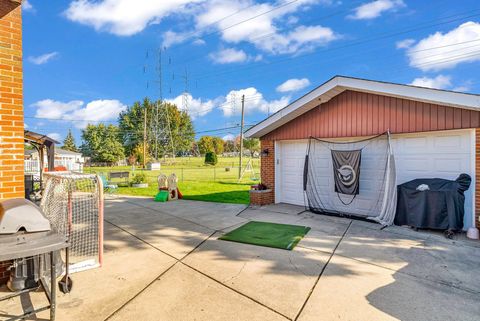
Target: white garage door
425	155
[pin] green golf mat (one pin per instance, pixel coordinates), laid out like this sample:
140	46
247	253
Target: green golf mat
281	236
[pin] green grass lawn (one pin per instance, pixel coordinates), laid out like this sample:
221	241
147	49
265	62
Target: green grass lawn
196	181
221	192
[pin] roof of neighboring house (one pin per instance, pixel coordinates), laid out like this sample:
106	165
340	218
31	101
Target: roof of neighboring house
58	151
65	152
339	84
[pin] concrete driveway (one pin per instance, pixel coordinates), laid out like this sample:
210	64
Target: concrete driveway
163	261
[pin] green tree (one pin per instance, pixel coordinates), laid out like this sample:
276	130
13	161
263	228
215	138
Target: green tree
211	158
252	144
217	145
166	126
69	142
205	144
101	143
229	146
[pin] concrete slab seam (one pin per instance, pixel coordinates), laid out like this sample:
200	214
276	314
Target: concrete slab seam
321	272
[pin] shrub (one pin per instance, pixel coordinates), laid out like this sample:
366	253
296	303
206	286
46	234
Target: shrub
211	158
139	178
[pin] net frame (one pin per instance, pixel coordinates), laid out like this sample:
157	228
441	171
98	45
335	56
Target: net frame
319	200
74	205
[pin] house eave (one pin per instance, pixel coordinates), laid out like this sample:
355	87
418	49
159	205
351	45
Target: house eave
339	84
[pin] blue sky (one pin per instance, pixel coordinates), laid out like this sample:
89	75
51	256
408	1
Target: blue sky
85	60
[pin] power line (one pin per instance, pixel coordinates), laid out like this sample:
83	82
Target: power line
367	40
243	21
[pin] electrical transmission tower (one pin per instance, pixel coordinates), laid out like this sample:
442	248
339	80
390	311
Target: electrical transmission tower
185	93
162	111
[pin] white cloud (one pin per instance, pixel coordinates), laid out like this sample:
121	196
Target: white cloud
77	112
42	59
263	31
374	9
301	39
27	6
254	102
231	102
439	82
403	44
171	38
228	137
199	42
123	17
228	56
464	87
293	84
446	50
256	23
25	125
55	136
196	107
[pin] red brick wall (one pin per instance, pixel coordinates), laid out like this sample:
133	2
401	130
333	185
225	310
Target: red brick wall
477	177
261	197
11	108
355	114
268	168
11	102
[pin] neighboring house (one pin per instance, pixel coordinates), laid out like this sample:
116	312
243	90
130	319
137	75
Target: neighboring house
435	133
72	161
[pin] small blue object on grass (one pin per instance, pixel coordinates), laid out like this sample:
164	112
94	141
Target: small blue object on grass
109	188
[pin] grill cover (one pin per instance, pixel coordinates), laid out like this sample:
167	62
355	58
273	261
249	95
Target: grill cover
19	213
440	207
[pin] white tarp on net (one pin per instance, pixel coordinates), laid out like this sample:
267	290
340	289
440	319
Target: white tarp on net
375	197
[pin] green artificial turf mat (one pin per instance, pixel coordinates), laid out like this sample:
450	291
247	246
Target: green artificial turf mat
281	236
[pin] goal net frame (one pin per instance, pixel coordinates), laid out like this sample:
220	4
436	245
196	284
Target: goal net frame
74	205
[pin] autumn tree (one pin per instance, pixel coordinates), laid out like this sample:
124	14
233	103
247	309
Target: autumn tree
169	130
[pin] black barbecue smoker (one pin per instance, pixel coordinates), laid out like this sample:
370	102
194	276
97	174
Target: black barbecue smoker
27	239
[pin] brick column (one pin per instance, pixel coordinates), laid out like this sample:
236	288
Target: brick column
11	108
11	102
268	169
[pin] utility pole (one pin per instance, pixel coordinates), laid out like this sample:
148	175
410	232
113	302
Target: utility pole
144	137
241	137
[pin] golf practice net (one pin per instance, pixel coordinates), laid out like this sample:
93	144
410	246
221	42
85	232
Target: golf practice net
354	178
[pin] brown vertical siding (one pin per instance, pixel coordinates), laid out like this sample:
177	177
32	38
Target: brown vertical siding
353	114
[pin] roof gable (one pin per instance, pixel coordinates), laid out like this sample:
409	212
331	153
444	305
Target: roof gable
339	84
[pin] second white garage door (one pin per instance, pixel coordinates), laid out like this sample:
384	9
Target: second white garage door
421	155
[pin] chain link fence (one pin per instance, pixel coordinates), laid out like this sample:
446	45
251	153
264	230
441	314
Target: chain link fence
225	171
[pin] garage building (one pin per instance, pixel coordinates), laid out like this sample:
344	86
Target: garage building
435	134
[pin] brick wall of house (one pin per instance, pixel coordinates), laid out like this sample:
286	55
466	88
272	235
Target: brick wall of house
11	107
268	170
11	101
477	177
